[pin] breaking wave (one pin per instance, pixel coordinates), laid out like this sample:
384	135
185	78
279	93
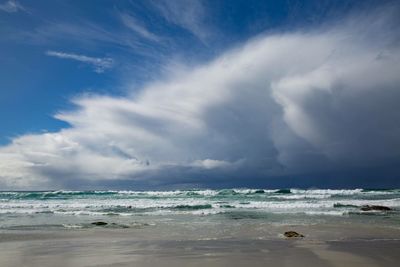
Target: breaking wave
310	202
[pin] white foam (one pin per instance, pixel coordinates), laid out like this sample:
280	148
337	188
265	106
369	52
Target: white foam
331	192
316	201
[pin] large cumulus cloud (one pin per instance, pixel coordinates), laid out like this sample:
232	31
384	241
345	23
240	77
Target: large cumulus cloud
280	105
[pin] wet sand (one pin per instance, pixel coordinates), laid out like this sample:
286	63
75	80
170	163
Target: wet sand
152	246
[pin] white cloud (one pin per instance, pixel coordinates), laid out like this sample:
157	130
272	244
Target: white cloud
210	164
134	25
99	64
283	104
11	6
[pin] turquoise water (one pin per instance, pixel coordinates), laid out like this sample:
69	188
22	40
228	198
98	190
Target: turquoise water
77	209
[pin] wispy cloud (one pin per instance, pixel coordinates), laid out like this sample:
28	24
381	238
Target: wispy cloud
99	64
11	6
133	24
87	34
186	14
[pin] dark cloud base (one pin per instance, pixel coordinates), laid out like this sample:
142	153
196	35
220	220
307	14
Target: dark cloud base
382	177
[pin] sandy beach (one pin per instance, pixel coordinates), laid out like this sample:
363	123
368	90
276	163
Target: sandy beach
324	245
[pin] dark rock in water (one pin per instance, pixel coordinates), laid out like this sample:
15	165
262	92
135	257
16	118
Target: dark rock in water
375	208
99	223
291	234
259	191
283	191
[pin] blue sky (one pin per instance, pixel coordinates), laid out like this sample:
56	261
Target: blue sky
198	93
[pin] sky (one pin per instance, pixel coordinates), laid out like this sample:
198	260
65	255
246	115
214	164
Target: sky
170	94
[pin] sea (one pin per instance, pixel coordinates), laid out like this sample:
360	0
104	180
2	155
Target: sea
74	210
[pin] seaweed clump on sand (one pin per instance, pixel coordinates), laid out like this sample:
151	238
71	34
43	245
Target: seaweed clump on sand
292	234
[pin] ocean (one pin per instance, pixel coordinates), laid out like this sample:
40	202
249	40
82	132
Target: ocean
135	209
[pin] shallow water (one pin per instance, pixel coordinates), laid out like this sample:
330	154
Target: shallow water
136	209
